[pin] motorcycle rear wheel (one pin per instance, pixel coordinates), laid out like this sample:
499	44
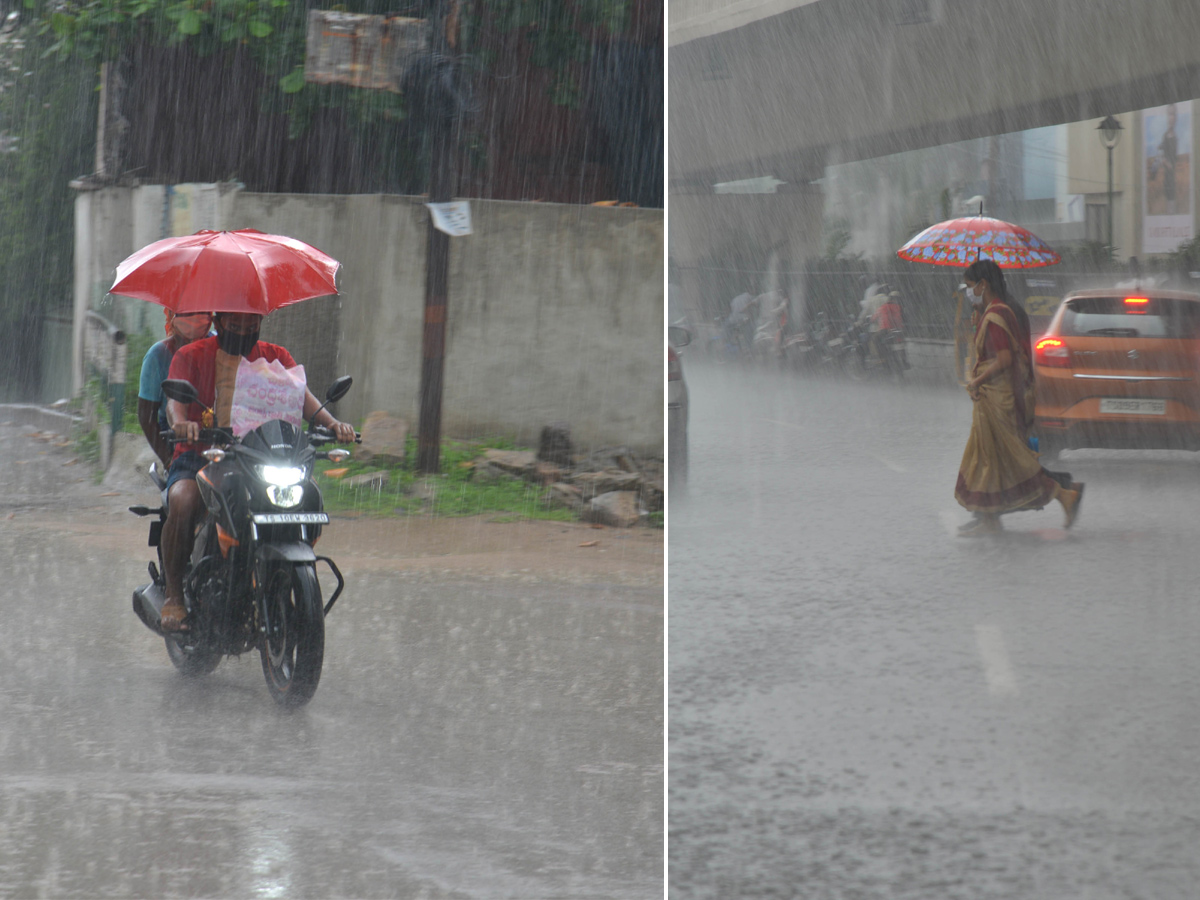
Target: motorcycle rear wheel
293	645
194	661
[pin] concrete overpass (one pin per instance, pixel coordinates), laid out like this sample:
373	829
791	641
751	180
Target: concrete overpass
784	87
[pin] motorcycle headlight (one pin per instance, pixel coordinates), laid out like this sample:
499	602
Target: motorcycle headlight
285	495
281	476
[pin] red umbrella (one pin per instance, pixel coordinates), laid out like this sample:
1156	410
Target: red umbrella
226	271
960	242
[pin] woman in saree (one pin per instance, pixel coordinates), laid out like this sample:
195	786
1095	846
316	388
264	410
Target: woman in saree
999	472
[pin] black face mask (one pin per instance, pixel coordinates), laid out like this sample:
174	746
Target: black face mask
237	344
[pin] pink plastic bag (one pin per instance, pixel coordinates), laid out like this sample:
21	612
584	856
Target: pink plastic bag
264	391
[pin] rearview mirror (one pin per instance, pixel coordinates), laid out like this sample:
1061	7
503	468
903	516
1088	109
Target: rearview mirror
678	336
179	390
338	389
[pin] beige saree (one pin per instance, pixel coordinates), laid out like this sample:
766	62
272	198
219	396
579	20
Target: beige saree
999	472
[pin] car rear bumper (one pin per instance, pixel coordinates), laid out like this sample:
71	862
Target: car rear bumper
1133	433
1070	412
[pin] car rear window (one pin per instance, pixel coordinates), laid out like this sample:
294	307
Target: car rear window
1157	317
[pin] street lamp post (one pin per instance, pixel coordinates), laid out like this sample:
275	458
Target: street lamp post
1110	135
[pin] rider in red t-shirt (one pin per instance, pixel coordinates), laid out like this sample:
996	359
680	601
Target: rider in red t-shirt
885	319
237	334
889	317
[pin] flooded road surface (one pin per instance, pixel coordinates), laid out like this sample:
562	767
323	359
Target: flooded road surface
488	724
863	704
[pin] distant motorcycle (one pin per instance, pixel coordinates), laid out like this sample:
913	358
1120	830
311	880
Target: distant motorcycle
728	343
251	582
886	356
818	350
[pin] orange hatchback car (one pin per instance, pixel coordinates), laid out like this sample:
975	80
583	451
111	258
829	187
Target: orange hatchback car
1120	369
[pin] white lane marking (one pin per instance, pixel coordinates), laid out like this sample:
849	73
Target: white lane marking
895	467
996	667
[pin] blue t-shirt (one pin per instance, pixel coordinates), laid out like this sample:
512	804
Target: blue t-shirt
155	366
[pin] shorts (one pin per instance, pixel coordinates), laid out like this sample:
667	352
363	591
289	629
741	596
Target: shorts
185	465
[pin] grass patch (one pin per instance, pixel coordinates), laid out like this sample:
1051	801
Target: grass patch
136	345
453	492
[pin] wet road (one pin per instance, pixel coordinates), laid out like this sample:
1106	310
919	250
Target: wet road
863	704
488	728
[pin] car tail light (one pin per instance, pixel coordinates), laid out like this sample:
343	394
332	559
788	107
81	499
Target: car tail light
1137	305
674	367
1052	351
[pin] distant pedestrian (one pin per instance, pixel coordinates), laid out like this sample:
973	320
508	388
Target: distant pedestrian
999	472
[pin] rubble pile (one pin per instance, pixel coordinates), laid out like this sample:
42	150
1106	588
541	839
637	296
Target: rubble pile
613	486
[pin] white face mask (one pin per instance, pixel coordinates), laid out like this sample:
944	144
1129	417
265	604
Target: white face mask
975	298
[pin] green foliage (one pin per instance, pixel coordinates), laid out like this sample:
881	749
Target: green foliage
275	32
455	492
99	30
838	235
86	434
136	345
1186	257
558	33
47	130
1086	256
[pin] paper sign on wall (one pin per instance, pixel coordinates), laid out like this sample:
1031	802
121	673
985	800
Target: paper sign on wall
452	218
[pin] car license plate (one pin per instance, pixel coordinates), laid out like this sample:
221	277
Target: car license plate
291	519
1132	406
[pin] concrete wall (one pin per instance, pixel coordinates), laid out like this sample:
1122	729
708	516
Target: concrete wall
932	361
555	312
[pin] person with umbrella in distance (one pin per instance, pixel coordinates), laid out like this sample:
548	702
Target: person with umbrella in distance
210	365
1000	472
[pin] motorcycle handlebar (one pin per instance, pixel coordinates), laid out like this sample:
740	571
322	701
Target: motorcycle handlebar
319	434
207	436
316	435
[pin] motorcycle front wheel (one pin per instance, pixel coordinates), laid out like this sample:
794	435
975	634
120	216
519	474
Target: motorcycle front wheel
293	644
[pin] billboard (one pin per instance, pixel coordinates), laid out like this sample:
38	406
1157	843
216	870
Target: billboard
1167	177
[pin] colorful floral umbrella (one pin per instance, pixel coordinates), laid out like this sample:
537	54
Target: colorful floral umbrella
959	242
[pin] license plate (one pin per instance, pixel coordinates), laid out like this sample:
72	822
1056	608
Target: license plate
1134	407
291	519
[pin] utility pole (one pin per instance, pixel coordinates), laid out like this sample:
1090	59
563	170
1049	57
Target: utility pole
442	112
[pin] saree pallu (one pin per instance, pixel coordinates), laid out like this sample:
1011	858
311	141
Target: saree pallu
999	472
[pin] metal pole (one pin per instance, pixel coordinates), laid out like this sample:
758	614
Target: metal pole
437	266
1110	192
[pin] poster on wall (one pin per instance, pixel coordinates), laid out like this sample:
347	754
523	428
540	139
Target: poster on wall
1167	189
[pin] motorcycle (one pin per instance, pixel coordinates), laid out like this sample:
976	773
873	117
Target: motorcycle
728	342
889	358
251	580
816	350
